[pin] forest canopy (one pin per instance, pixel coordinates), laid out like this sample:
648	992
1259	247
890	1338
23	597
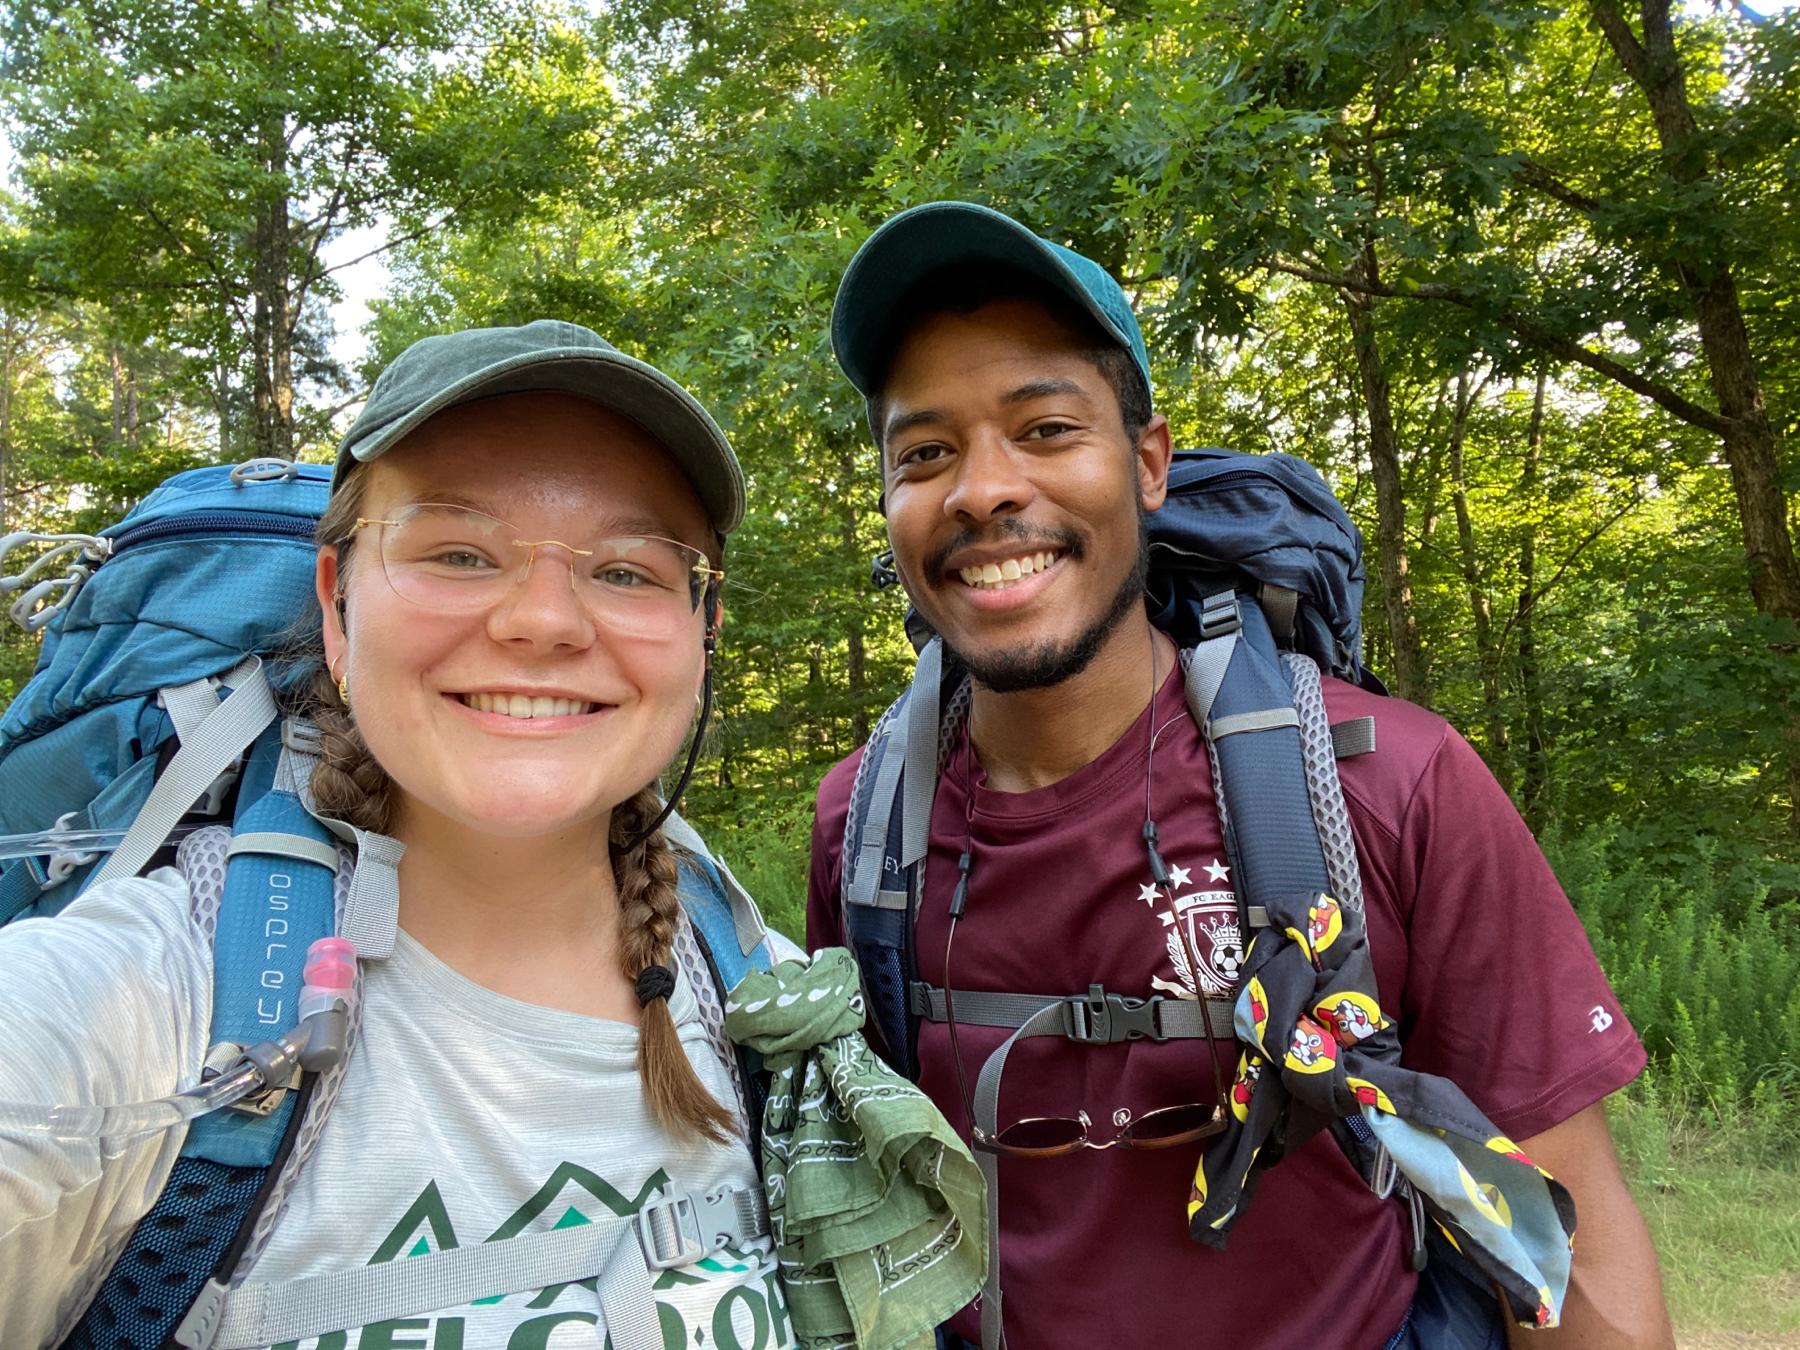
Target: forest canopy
1518	278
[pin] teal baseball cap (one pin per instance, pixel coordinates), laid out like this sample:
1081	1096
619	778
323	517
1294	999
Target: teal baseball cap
437	373
922	240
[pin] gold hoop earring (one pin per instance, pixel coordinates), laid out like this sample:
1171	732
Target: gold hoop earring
343	686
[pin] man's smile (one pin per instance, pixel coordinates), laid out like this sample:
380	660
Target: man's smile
995	575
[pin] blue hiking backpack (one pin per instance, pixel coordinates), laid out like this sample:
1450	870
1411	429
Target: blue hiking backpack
153	708
1256	571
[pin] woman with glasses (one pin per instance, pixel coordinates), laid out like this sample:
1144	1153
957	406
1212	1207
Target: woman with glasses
519	575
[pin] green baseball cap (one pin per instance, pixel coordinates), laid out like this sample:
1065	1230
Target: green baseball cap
921	240
436	373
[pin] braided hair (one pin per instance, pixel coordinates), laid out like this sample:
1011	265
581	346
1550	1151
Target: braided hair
649	912
349	784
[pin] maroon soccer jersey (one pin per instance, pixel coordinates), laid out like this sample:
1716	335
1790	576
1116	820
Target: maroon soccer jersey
1476	949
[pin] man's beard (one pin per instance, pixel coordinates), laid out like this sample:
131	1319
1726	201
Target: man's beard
1048	664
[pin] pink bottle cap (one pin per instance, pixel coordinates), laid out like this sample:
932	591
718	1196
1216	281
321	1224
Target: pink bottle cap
331	963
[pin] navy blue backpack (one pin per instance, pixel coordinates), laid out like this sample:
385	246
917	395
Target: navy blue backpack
1252	549
1256	571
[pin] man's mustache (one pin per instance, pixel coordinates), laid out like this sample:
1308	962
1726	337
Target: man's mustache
1006	531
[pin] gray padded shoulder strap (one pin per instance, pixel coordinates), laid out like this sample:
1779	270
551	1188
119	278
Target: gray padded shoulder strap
920	787
1319	751
208	748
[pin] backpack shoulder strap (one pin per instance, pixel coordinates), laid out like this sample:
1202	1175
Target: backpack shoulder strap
278	893
887	834
724	939
726	915
1252	732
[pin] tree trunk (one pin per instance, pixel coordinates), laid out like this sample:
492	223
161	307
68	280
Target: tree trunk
9	338
1410	677
1533	794
222	402
1433	470
272	337
857	649
1750	449
116	360
1486	648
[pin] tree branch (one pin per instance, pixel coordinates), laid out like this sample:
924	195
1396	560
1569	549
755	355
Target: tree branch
1535	176
1539	592
1532	332
1623	41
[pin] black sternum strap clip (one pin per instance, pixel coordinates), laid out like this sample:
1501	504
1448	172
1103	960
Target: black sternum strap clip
1100	1018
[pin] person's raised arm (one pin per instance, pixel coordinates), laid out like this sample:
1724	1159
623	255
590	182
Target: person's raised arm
106	1004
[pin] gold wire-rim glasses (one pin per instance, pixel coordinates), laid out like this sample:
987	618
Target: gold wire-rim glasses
703	575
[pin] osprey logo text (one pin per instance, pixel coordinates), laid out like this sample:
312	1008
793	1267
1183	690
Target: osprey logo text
1600	1018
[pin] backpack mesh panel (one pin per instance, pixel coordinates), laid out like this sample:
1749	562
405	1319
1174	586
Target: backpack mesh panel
172	1253
878	951
1329	811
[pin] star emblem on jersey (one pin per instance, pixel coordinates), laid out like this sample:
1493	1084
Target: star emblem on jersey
1210	933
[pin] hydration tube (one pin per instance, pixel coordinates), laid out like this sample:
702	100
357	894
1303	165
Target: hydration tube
39	843
317	1043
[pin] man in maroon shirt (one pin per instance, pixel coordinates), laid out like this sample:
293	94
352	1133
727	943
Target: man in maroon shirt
1009	394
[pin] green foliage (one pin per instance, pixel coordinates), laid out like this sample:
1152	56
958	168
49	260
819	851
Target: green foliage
1702	945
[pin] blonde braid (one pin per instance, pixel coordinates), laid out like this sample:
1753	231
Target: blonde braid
648	913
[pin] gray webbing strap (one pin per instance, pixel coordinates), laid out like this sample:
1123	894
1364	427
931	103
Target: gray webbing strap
1280	606
188	705
865	881
1155	1017
205	754
1208	661
920	785
1352	738
372	913
283	845
1046	1022
622	1251
1266	719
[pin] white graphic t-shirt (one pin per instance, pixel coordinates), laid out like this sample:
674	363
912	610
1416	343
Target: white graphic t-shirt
464	1117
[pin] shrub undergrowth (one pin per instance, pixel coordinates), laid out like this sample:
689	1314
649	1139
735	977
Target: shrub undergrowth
1702	943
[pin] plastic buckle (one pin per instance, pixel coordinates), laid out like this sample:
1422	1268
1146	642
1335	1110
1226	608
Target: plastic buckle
264	469
301	736
1219	615
1100	1018
679	1229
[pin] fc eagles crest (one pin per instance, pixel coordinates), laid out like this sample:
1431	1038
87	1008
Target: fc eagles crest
1208	919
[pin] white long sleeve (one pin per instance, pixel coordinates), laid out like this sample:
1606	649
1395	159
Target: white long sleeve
107	1003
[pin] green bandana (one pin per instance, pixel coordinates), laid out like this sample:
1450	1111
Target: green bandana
875	1204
